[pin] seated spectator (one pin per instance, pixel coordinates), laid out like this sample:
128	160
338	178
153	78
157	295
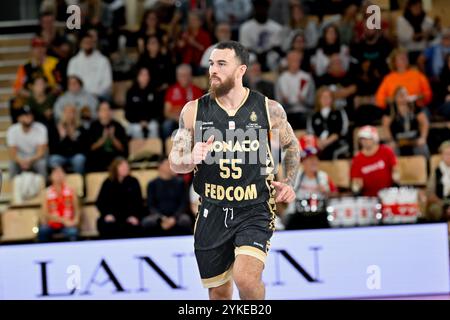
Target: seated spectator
443	90
346	23
406	126
297	43
70	145
253	80
298	22
261	35
193	42
329	44
177	96
157	62
403	75
435	56
106	139
92	67
143	108
120	203
414	29
222	33
438	188
295	91
232	13
374	167
40	64
312	187
49	32
27	142
76	96
41	102
167	203
60	209
329	125
340	81
149	27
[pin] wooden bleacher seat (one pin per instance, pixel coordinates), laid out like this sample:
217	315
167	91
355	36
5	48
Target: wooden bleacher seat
413	170
20	224
4	154
338	171
144	148
119	90
434	162
75	181
29	202
144	177
168	144
94	182
119	116
88	221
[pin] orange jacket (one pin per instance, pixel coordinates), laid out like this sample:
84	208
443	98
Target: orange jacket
414	81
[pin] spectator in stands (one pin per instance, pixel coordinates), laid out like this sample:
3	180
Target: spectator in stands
222	33
232	13
403	75
438	188
414	29
298	21
76	96
177	96
70	144
60	209
40	64
443	90
346	23
92	67
361	24
339	80
144	106
297	44
150	27
49	33
107	140
406	126
253	80
435	55
312	188
295	91
157	62
27	142
261	35
167	202
193	42
63	52
374	167
40	101
329	125
120	203
329	44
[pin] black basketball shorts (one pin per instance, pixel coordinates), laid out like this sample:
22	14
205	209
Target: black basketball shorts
221	233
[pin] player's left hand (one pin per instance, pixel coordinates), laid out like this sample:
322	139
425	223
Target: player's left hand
285	193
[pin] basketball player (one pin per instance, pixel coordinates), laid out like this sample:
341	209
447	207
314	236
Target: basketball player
229	128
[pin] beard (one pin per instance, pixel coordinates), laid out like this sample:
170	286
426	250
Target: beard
222	88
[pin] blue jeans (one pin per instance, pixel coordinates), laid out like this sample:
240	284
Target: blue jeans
77	162
46	233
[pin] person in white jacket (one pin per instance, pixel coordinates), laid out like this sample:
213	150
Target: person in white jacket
93	68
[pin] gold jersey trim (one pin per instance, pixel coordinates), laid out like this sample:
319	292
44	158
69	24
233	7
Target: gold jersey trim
218	280
251	251
233	112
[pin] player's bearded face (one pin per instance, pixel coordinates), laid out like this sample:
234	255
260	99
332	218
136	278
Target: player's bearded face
219	88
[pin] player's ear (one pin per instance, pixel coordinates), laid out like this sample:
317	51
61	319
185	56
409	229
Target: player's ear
242	69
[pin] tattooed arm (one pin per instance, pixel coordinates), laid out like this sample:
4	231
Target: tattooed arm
180	156
288	140
290	145
183	157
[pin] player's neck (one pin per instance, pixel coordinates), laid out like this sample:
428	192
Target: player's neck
234	98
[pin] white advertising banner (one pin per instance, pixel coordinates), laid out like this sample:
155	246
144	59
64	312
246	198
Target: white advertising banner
311	264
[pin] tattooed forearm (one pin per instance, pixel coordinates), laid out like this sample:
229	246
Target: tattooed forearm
288	141
180	156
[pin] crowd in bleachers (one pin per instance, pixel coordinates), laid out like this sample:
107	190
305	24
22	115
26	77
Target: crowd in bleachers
331	73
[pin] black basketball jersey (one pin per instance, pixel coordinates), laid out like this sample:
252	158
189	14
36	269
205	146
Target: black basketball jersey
239	167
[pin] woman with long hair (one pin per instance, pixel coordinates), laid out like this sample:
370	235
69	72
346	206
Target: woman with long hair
120	203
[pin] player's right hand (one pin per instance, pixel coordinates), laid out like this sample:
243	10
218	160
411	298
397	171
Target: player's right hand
201	149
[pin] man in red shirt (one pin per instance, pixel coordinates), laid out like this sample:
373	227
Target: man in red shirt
374	167
177	96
